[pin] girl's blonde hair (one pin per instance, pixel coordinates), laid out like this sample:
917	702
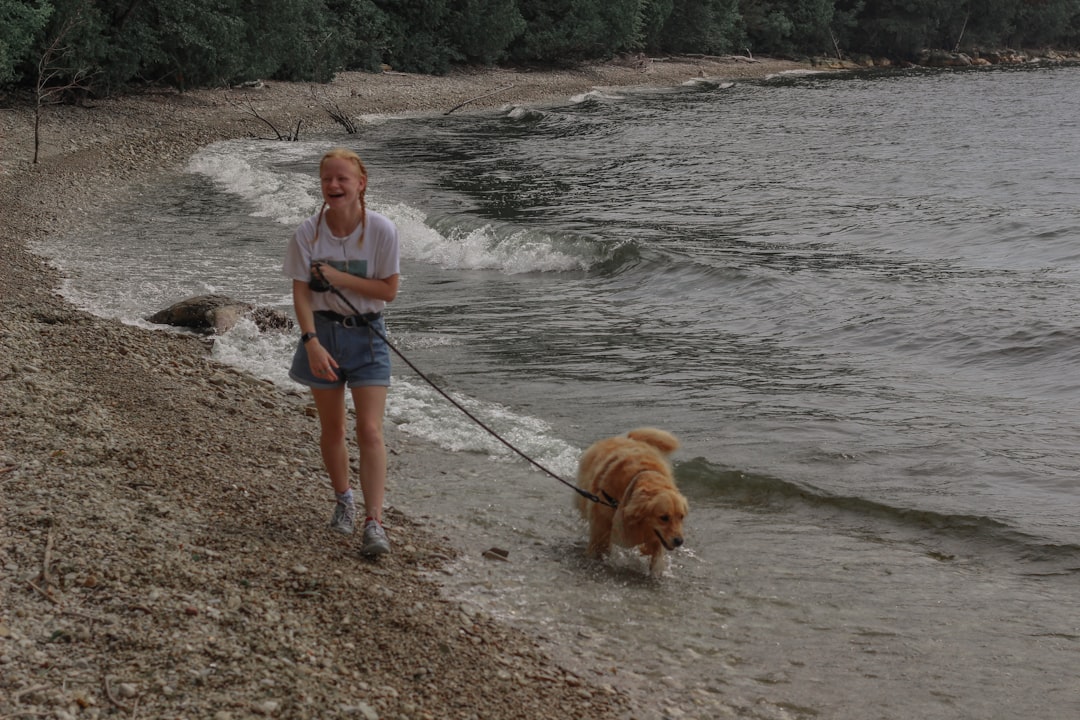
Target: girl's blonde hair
350	156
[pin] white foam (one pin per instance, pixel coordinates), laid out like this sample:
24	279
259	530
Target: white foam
481	248
234	166
418	409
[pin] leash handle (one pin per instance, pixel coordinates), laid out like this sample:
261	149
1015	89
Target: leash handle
608	500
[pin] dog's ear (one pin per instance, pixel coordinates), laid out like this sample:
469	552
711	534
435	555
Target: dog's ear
631	520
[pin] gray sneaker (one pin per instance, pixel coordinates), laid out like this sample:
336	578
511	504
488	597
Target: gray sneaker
344	519
375	540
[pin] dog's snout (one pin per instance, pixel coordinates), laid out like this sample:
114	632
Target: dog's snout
677	541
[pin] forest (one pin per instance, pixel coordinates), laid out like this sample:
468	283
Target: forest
103	47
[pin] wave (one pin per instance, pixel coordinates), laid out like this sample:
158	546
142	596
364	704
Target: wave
521	113
242	169
596	97
707	83
706	481
462	243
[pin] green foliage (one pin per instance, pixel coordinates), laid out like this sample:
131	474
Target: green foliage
482	30
20	24
1043	23
898	28
196	42
110	45
784	27
708	26
299	41
567	30
845	22
653	15
416	41
363	30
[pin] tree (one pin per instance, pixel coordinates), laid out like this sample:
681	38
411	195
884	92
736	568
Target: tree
482	30
1046	22
709	26
653	15
898	28
417	40
301	40
788	26
55	78
364	29
561	30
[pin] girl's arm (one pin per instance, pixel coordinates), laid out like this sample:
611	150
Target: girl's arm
317	355
384	289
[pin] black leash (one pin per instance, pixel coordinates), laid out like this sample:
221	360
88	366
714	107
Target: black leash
607	500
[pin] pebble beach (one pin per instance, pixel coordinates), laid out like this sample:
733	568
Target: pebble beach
163	541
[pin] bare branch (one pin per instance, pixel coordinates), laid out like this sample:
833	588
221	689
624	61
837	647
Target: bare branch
51	67
481	97
249	109
334	111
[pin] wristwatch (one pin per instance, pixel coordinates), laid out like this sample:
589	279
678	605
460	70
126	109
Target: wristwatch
307	336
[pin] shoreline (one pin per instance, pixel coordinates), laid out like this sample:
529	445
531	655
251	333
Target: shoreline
162	517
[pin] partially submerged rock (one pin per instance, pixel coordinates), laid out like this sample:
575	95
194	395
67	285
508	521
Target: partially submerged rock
219	314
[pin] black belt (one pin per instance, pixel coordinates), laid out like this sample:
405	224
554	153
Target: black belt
349	320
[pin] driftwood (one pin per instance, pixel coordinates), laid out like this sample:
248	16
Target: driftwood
334	111
960	38
747	58
250	110
480	97
47	593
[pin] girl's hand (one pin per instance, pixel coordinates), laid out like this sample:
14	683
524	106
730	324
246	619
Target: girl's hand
330	273
321	363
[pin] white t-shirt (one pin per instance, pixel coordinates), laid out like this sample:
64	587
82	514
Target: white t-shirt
379	257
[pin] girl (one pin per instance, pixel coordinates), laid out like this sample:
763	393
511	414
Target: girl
354	251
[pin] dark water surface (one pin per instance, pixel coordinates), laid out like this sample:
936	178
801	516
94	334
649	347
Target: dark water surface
852	298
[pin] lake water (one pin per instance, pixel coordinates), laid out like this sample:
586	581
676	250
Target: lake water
852	297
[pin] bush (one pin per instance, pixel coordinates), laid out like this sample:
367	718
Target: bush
20	25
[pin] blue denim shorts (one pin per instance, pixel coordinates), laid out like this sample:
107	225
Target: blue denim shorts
363	357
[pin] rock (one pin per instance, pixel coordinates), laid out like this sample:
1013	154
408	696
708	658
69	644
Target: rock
219	314
943	58
266	707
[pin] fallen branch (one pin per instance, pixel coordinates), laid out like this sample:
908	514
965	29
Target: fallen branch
44	594
334	111
250	110
46	575
481	97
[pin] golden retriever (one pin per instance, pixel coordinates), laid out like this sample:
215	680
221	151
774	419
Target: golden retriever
634	471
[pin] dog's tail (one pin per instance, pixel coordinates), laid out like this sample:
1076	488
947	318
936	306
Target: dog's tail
662	440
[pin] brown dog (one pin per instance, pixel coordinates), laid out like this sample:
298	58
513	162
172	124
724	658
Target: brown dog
635	472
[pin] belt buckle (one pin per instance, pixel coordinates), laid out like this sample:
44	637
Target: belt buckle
350	321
